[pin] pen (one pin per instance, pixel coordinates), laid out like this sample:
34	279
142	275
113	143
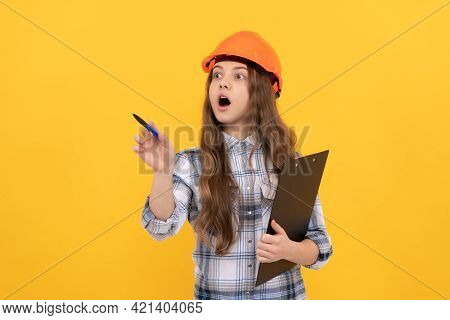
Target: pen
146	126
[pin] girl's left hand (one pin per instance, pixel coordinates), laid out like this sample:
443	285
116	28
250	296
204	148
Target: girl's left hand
275	247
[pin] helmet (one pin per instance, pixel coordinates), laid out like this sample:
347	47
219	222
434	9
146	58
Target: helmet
250	46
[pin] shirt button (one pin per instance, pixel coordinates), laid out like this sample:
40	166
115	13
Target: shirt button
250	241
247	293
250	265
248	188
249	212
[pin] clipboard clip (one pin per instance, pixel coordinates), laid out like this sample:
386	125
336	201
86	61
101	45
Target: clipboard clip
297	161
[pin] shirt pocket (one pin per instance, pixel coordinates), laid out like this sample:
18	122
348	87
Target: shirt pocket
268	188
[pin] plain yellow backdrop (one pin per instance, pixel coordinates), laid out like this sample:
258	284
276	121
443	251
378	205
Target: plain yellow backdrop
368	80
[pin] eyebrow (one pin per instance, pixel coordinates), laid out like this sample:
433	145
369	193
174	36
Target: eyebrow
233	68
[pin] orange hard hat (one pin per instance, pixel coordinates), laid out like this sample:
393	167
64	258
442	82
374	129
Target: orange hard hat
250	46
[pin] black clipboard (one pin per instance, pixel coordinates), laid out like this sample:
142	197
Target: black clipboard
298	185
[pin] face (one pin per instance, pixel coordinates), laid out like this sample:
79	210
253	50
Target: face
230	79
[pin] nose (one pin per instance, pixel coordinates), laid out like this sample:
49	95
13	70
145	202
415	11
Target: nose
223	84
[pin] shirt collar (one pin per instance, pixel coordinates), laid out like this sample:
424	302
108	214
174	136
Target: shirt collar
251	140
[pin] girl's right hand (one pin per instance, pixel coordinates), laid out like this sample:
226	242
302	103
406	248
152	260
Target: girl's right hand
159	155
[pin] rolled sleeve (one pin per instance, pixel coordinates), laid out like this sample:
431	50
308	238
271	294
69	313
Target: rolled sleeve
182	191
317	232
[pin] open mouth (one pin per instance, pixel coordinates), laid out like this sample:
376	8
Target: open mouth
224	101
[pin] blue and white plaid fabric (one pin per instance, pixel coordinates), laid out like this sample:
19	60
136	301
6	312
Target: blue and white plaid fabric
233	276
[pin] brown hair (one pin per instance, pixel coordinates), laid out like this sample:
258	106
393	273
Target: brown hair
217	184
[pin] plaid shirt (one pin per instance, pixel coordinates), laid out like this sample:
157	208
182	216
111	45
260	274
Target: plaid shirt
233	276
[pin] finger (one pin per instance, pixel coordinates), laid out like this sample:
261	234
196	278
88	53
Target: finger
277	228
263	253
264	260
153	125
161	136
268	238
265	246
137	149
149	134
149	139
139	139
144	131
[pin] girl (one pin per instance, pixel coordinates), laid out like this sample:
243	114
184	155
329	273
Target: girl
225	187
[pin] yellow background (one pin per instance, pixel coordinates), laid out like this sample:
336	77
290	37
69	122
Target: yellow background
372	81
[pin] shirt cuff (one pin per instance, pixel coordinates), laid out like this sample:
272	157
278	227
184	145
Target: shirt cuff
323	242
158	229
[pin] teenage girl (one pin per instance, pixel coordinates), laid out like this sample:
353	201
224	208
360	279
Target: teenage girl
225	187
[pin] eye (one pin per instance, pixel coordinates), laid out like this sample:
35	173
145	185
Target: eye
237	75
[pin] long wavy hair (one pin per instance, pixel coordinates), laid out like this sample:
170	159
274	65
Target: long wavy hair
217	222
